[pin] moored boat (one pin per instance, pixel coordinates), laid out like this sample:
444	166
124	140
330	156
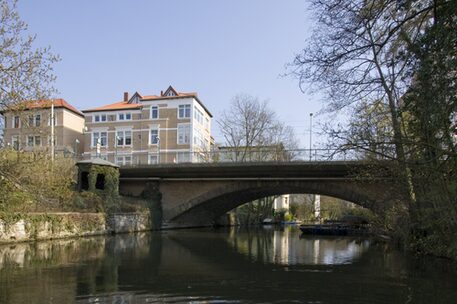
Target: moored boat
332	229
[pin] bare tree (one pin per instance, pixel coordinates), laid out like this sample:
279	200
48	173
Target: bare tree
25	71
367	135
359	53
252	131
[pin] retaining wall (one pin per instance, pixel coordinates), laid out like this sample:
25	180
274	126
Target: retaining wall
42	226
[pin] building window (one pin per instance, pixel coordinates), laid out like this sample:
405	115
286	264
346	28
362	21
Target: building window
198	115
154	137
50	118
124	138
99	137
124	160
100	118
35	120
125	116
16	122
154	112
153	159
183	134
33	141
183	157
184	111
15	142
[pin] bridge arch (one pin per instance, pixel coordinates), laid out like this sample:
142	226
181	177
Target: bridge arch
203	209
195	194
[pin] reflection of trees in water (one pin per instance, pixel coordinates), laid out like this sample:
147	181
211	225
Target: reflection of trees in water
182	266
32	272
52	253
255	243
62	269
286	248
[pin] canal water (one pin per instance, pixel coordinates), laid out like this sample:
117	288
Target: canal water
265	265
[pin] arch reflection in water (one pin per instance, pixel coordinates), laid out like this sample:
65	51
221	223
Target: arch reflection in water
287	247
217	266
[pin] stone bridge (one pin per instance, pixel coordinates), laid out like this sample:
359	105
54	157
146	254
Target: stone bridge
197	194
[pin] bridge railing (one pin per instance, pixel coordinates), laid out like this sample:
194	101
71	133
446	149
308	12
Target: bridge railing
241	156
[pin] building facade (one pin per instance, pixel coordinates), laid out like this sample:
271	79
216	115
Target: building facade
27	127
282	202
172	127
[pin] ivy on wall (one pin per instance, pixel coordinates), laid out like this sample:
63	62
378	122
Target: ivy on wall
153	196
111	175
110	192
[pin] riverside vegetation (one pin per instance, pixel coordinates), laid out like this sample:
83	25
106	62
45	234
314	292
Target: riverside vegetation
33	183
393	66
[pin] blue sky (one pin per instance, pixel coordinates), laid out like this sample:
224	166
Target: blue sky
214	47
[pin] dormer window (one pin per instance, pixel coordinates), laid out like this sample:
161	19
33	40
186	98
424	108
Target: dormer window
135	98
170	92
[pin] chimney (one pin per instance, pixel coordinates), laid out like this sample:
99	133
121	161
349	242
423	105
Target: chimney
161	93
126	96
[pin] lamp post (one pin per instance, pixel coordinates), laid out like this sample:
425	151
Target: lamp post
310	134
98	148
158	149
116	140
76	147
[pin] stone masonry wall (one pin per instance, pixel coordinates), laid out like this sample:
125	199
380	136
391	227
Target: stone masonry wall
39	226
129	222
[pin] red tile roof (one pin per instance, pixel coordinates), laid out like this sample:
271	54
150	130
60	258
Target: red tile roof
152	97
45	104
122	105
125	105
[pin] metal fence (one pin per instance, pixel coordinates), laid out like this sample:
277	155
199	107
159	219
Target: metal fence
232	156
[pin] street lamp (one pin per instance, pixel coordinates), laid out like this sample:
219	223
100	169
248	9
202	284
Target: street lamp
158	149
310	134
116	140
76	147
98	148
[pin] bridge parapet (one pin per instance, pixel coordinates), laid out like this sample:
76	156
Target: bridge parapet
252	155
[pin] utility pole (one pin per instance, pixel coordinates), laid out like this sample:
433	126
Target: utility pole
52	130
310	134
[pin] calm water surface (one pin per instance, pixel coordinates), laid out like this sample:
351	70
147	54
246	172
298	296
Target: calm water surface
220	266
